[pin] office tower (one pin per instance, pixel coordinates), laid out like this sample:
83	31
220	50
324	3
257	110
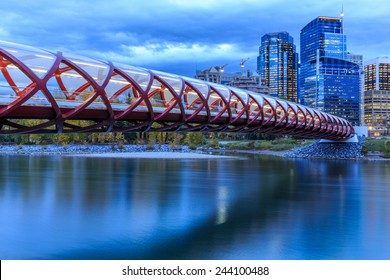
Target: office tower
277	64
328	81
377	96
358	59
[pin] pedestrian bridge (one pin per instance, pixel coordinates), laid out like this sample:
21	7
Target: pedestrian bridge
51	92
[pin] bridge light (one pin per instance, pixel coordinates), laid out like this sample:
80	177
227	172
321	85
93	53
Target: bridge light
44	56
10	50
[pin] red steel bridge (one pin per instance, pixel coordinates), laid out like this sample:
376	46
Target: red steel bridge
50	92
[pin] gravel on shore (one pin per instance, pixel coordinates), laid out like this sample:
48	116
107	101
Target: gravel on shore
315	150
110	151
331	150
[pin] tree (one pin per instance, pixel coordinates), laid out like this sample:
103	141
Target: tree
387	148
194	139
174	139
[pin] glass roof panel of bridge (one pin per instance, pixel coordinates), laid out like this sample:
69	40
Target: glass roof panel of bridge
13	81
283	104
97	70
302	108
37	60
174	81
201	86
324	116
310	110
139	75
293	106
241	93
224	91
257	97
271	101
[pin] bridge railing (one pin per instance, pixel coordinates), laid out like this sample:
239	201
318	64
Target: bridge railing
48	92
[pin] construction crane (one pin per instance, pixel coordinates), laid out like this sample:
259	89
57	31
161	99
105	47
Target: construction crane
221	68
242	64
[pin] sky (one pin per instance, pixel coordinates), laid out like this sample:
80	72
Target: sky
182	36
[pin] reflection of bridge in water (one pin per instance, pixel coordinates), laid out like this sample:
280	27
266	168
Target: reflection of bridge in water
46	92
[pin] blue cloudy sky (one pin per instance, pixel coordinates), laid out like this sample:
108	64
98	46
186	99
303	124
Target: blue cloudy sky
180	36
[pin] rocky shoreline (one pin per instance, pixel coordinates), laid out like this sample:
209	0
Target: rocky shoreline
327	151
336	150
53	149
314	151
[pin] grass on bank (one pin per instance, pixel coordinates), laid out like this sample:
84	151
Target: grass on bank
380	145
281	144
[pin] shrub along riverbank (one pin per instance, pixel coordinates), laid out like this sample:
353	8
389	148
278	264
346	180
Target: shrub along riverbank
371	145
280	144
194	140
377	145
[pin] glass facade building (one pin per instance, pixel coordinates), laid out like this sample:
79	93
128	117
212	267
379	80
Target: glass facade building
377	96
328	81
358	59
377	74
277	64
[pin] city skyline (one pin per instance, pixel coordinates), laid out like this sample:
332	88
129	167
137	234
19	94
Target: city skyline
182	36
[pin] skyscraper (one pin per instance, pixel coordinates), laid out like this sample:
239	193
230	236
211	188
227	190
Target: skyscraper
377	96
277	64
328	81
358	59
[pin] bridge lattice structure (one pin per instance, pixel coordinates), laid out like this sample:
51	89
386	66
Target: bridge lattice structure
50	92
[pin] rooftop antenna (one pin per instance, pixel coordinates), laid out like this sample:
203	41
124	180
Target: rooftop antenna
342	29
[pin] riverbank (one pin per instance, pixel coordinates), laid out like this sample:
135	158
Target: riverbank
146	151
111	151
374	156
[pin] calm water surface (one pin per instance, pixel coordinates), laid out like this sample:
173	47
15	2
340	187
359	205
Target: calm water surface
262	207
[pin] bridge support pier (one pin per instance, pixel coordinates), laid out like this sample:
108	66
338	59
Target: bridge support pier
353	139
360	131
328	149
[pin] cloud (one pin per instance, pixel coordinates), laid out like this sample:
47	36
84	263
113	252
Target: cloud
178	58
169	34
178	52
3	32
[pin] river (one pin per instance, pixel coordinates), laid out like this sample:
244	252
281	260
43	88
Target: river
252	207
